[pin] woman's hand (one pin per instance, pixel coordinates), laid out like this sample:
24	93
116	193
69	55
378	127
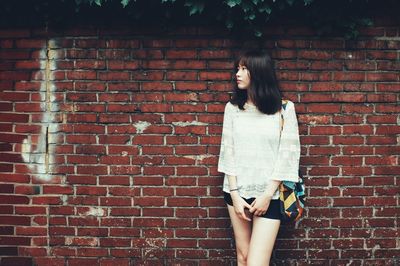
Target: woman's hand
240	205
260	205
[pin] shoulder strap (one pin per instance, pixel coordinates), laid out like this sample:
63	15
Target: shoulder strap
282	121
284	103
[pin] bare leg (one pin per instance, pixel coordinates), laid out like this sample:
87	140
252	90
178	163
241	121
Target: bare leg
262	241
242	232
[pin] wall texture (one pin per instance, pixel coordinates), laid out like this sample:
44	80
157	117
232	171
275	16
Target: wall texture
109	144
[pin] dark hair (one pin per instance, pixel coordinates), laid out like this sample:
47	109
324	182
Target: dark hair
264	89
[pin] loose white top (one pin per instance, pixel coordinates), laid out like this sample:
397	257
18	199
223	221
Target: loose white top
250	148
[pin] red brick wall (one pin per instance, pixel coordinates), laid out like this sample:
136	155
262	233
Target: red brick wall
109	144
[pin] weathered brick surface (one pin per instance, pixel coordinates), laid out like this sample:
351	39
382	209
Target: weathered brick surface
109	144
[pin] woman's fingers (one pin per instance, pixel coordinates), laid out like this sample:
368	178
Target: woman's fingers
242	213
252	209
248	206
258	211
245	217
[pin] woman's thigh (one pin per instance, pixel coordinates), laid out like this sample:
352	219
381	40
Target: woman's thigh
262	241
242	232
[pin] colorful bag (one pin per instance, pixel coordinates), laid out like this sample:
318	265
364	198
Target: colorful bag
291	194
292	198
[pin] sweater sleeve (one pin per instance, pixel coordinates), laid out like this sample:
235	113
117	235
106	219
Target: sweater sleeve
287	162
226	162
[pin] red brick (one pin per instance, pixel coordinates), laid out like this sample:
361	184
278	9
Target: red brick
190	150
120	97
147	222
378	140
324	171
381	98
182	202
381	119
194	213
215	76
316	98
13	199
113	76
348	140
363	130
200	130
181	54
346	223
181	243
387	87
158	107
150	139
80	75
192	86
16	261
325	130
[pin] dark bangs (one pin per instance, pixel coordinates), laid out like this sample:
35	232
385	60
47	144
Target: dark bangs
264	88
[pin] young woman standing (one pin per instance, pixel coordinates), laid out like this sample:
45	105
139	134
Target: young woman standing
253	160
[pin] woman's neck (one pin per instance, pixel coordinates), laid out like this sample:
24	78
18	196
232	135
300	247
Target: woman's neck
249	101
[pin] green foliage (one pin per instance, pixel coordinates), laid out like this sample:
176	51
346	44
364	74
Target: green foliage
195	6
339	16
125	2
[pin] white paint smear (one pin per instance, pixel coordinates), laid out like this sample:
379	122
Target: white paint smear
192	123
141	126
40	156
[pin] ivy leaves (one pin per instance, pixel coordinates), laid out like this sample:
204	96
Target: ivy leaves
124	3
195	6
240	16
232	3
255	13
232	12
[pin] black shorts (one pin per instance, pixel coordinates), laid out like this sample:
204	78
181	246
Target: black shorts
273	211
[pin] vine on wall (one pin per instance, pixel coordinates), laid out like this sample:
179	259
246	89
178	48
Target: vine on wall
326	17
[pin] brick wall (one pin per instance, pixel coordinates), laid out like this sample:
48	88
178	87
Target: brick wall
109	144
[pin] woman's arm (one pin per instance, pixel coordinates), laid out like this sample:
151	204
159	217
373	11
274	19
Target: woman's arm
226	161
272	187
239	204
232	182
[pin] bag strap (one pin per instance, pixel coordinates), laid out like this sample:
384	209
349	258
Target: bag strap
282	120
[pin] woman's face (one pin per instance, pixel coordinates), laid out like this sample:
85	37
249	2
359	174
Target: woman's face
243	77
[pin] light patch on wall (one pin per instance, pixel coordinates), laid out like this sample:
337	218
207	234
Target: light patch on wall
141	126
198	158
186	124
93	211
38	150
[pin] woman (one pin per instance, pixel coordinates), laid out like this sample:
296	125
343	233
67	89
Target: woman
253	160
